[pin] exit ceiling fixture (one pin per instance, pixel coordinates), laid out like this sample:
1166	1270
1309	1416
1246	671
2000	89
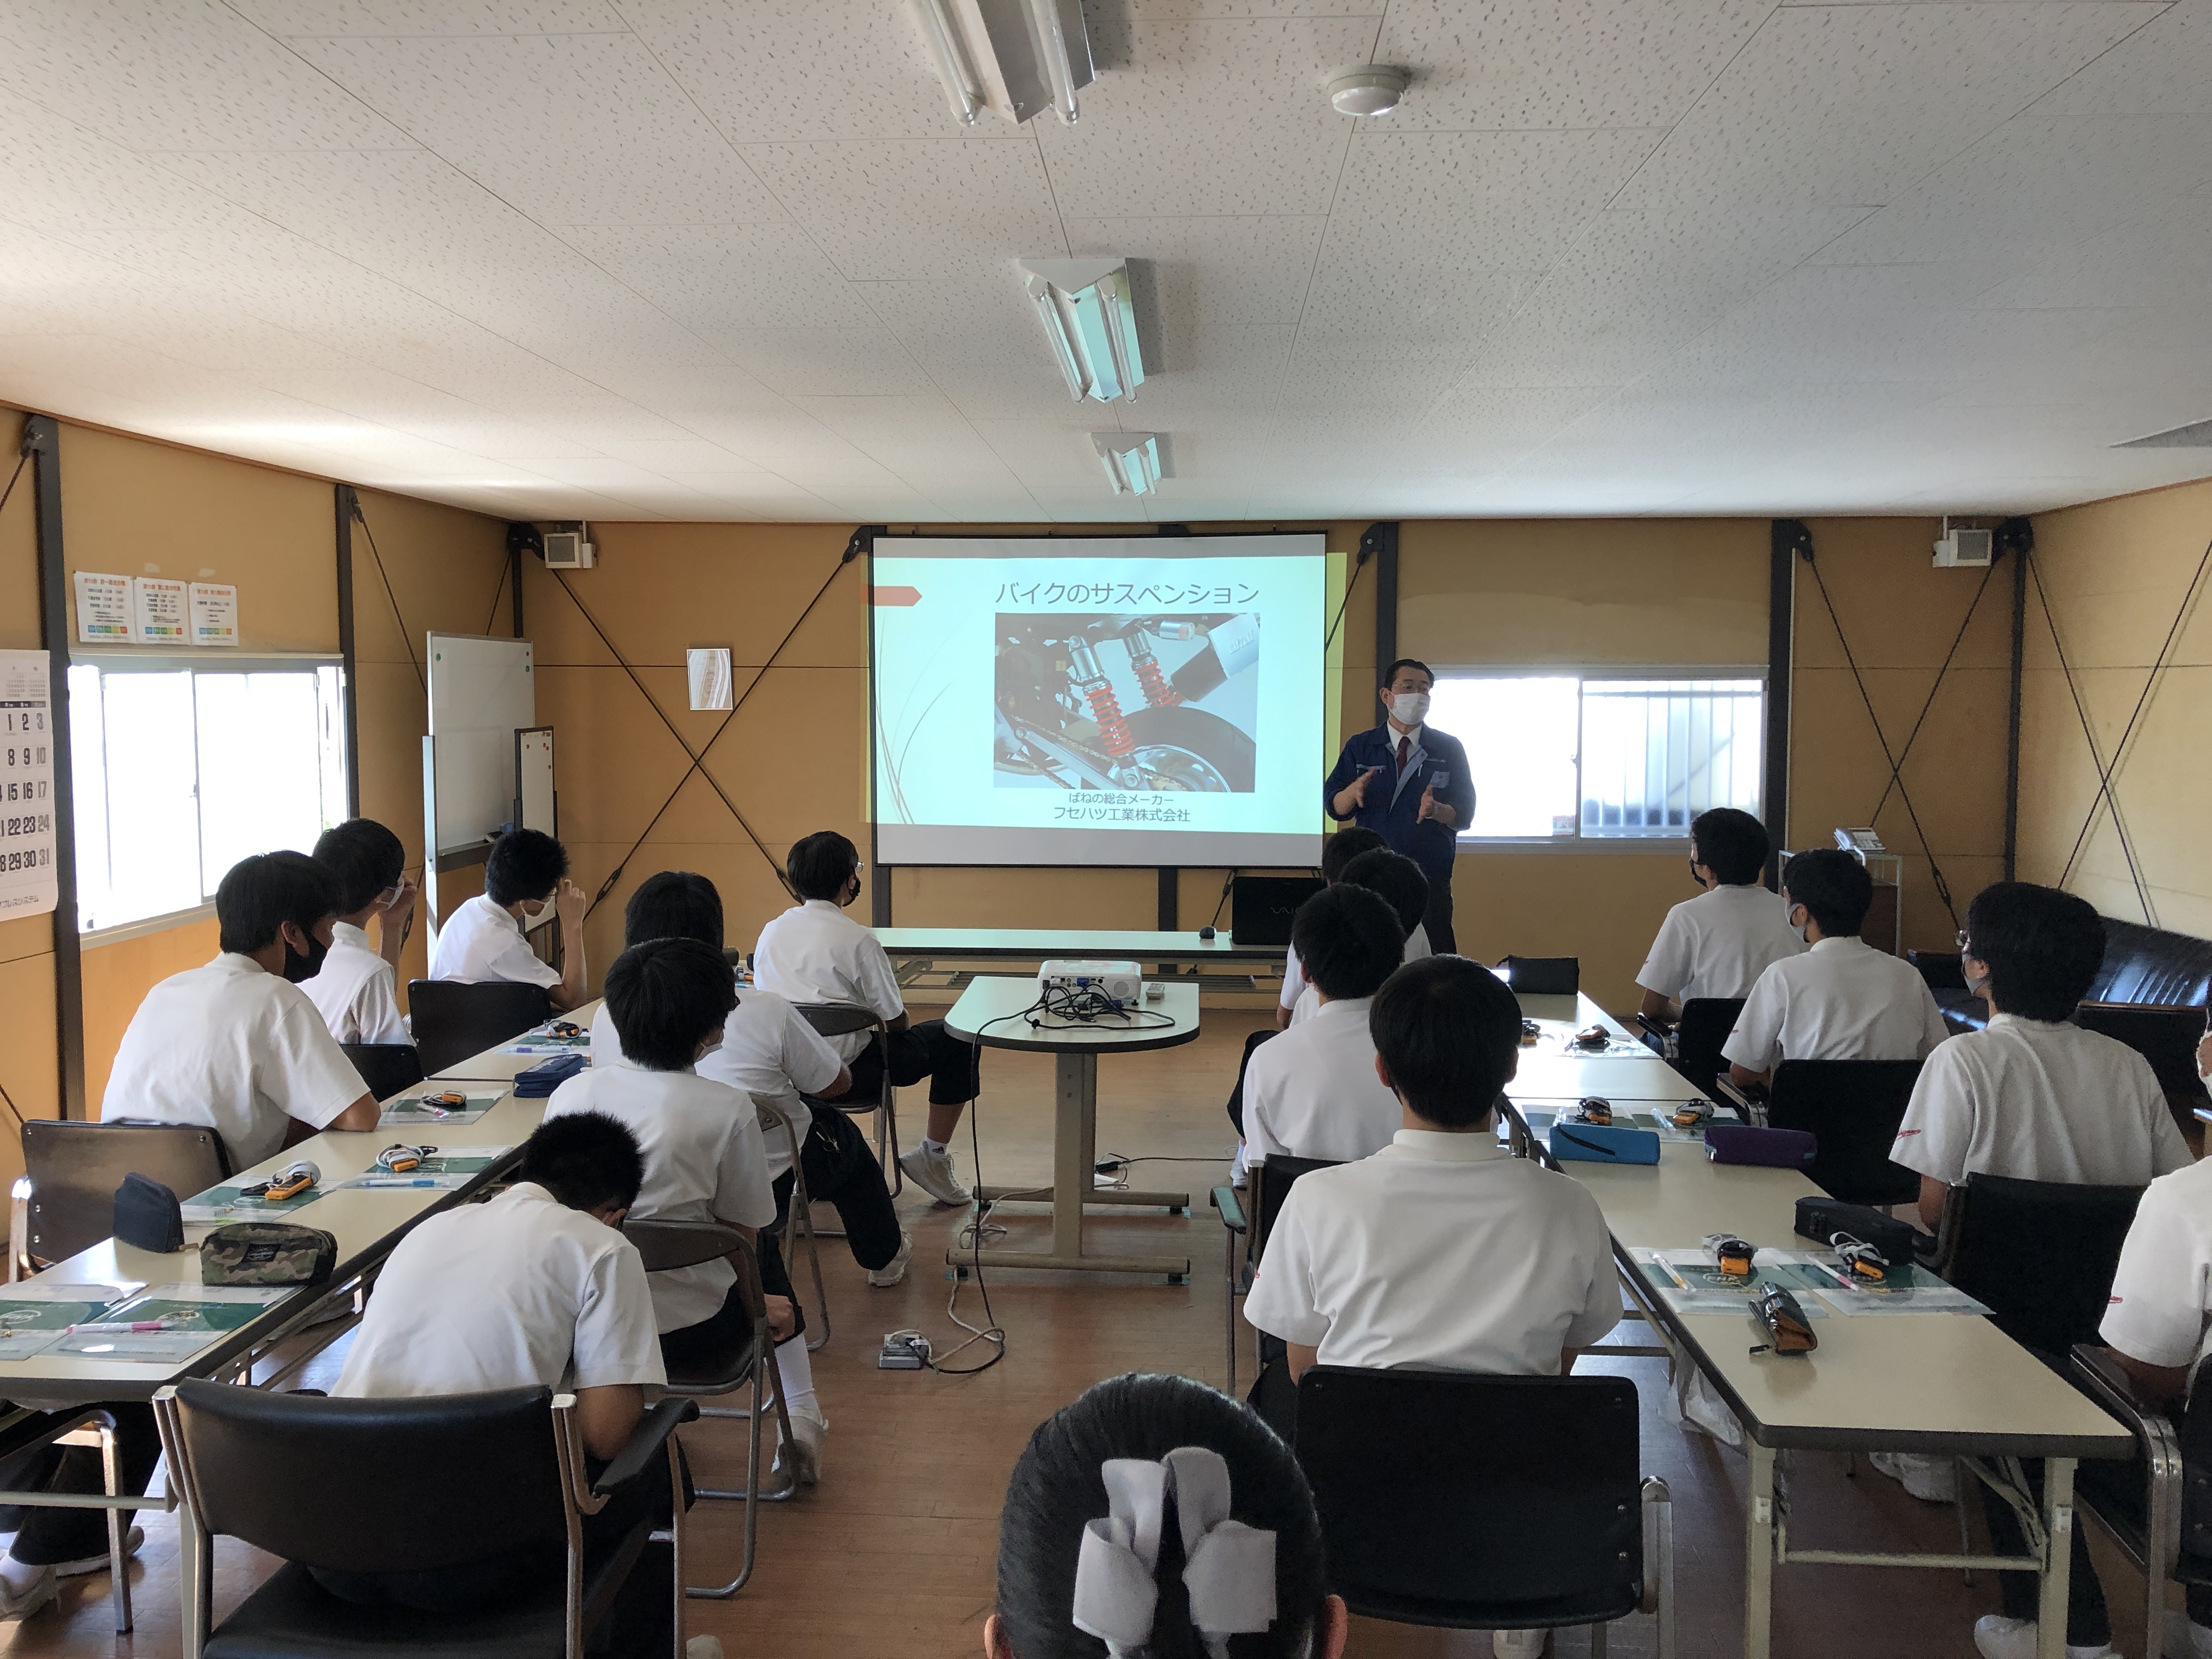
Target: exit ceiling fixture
1367	89
1091	322
1132	460
1017	56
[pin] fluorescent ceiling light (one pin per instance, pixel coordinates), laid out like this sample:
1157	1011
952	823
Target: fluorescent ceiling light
1132	460
1017	56
1085	307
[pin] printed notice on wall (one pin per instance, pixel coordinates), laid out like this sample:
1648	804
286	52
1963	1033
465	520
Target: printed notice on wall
158	612
26	785
103	609
214	613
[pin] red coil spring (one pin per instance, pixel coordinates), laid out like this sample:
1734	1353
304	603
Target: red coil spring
1158	694
1106	709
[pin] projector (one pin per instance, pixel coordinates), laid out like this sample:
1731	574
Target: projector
1122	981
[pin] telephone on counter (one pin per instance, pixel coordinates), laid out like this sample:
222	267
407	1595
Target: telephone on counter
1860	841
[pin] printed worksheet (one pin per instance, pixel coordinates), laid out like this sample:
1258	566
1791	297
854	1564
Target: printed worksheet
175	1322
409	1112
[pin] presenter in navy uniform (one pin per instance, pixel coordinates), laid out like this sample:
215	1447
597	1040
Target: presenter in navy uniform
1409	783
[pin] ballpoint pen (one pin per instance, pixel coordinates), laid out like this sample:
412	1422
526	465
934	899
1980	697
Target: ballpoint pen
124	1325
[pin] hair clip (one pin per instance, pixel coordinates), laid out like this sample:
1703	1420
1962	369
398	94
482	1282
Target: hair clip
1229	1568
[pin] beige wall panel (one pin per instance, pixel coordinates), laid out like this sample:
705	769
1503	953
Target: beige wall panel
26	936
447	569
1602	907
1955	772
116	980
28	1070
18	546
1897	609
614	760
752	894
2115	572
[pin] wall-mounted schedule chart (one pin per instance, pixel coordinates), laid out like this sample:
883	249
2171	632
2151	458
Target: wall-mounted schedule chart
26	785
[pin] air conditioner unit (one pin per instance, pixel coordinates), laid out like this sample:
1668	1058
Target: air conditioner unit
1960	549
567	550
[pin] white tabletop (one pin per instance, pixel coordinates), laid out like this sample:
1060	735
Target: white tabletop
990	1012
1036	943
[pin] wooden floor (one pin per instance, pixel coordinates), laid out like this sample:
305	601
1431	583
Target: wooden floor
892	1554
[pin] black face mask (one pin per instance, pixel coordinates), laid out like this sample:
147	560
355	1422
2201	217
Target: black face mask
298	967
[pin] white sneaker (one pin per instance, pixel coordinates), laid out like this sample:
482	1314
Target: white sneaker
1996	1637
934	1172
85	1564
1237	1168
1932	1479
808	1431
24	1589
703	1647
1517	1643
895	1269
2184	1638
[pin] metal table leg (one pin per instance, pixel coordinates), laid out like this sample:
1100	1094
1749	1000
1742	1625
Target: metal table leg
1759	1557
2058	1560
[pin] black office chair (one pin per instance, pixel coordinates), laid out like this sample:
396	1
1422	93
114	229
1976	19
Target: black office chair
386	1068
453	1021
1852	1108
1247	1218
748	1359
1693	1045
835	1019
2040	1255
1471	1502
429	1482
66	1200
2139	1504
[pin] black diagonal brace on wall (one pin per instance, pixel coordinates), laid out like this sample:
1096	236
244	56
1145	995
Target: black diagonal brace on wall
42	442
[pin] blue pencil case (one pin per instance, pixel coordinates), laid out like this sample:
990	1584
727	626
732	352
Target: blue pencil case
537	1081
1592	1143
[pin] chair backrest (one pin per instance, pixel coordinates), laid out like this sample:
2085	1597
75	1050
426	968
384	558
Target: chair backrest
75	1168
432	1481
386	1068
1706	1024
1440	1490
1269	1182
1852	1108
837	1019
2040	1255
2164	1035
669	1244
453	1021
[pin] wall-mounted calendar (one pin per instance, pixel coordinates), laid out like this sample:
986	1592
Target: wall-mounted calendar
26	785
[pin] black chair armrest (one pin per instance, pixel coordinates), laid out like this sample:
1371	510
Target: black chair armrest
1658	1028
2099	1374
1232	1206
2107	1383
646	1441
1746	1097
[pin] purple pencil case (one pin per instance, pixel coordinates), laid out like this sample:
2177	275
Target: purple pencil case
1779	1149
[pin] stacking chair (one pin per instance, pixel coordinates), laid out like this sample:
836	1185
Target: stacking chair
1852	1108
1249	1217
776	1118
453	1021
1693	1045
750	1359
2139	1504
833	1019
1471	1502
66	1200
429	1482
388	1068
2040	1255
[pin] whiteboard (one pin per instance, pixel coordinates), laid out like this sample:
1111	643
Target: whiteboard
482	692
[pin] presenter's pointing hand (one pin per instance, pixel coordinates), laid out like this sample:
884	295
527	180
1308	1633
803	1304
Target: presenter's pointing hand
1428	803
1355	793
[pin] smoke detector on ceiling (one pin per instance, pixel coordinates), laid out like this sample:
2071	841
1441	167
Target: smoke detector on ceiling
1368	88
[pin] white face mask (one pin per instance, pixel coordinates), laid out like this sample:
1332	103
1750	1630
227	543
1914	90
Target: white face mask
1409	708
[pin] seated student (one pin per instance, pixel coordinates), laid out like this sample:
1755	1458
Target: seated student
481	943
767	1050
1337	851
235	1046
2032	1098
356	990
704	1160
1843	1000
1313	1092
1719	943
1399	881
814	952
554	1298
1059	1595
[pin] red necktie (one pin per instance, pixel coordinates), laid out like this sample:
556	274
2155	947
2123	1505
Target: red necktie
1405	752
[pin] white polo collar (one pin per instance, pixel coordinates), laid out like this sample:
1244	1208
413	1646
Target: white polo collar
1443	1146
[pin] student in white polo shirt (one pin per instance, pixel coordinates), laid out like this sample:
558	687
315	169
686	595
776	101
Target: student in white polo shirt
703	1156
1719	943
1313	1092
357	988
1843	1000
235	1046
815	952
2031	1097
554	1297
482	943
1336	851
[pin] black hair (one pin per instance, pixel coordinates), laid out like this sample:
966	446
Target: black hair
1831	884
1731	843
1346	845
1449	1033
2043	947
364	858
525	864
1347	941
818	866
1391	672
666	995
1057	1489
674	904
585	1159
1398	879
261	893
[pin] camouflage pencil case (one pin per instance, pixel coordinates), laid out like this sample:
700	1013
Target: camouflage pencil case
267	1253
